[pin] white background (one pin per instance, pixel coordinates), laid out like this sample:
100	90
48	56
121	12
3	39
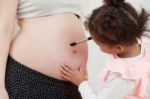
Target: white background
96	57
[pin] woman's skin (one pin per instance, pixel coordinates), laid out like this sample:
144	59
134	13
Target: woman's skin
43	43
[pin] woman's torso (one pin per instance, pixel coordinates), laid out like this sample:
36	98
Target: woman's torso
43	43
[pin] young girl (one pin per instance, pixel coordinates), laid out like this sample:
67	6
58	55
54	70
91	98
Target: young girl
117	29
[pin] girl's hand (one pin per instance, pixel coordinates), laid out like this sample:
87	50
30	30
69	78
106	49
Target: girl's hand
3	94
73	75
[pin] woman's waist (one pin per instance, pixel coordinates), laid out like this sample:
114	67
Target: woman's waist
50	62
44	43
46	54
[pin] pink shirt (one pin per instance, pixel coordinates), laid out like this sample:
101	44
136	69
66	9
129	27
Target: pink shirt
134	69
137	68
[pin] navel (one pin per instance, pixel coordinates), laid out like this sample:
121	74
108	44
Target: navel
75	51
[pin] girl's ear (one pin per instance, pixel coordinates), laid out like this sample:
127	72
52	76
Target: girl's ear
119	48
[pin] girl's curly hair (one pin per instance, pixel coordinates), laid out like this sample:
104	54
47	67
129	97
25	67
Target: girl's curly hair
117	22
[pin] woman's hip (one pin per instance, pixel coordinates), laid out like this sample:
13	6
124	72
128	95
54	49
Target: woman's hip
25	83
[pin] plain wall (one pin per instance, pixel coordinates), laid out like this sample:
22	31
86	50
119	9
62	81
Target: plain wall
96	57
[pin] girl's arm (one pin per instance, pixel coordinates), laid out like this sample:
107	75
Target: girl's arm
7	19
87	91
79	78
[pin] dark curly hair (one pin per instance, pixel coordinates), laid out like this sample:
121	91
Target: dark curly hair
117	22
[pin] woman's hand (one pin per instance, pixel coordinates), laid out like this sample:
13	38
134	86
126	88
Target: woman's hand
73	75
3	94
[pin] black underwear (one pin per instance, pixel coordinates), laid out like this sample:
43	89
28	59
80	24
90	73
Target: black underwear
25	83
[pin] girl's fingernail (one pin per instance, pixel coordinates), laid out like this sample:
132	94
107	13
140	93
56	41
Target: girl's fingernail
61	69
65	64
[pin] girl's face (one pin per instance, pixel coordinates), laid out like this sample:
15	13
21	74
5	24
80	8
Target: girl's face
107	48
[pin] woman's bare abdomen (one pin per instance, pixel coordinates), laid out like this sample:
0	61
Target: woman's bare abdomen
43	43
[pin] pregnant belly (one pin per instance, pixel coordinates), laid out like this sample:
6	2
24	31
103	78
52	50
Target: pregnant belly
45	47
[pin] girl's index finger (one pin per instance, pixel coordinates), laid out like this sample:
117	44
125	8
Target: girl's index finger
64	72
67	69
